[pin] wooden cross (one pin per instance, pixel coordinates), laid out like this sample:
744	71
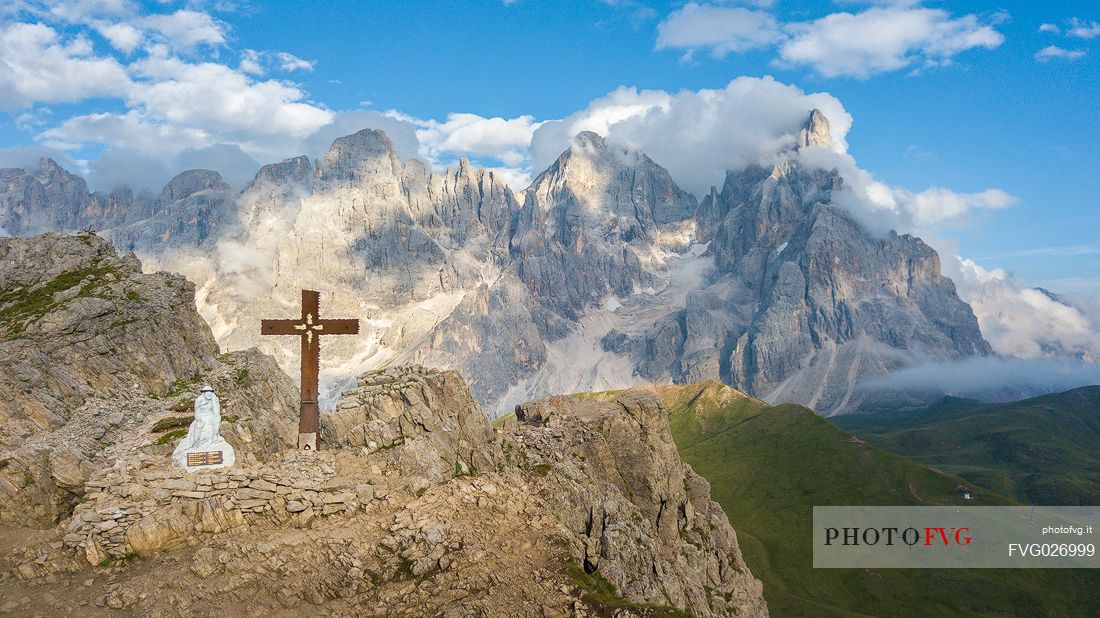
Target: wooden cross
309	327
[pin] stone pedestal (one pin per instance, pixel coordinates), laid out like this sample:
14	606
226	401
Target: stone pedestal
205	455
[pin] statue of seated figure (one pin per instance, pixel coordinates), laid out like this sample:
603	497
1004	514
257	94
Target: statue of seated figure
203	447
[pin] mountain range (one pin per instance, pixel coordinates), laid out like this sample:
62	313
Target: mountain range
603	273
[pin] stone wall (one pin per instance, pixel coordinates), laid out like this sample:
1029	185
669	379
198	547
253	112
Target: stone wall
149	509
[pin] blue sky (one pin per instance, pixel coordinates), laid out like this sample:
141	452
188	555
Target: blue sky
969	102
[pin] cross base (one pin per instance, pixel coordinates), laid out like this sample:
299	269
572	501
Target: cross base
307	441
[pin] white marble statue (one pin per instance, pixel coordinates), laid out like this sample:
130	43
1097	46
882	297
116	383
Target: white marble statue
204	438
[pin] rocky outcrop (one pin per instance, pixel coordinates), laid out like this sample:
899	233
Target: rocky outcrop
98	356
77	320
431	412
638	509
816	132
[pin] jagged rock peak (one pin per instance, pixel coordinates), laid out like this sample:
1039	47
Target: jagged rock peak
592	145
191	182
352	156
816	132
294	170
589	151
588	140
372	141
47	167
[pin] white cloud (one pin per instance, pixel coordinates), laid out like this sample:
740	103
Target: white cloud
256	62
37	65
125	166
26	157
1049	28
290	62
881	207
174	105
889	37
219	99
516	179
235	167
1021	321
720	29
185	29
86	11
1052	52
122	37
884	39
251	62
505	140
697	135
129	130
1083	29
401	132
992	378
938	204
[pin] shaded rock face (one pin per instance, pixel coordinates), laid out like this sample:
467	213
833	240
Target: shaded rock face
193	210
49	198
92	354
612	470
499	323
804	301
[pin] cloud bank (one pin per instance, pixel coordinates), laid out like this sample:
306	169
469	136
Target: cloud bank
173	101
990	378
1022	321
876	40
697	135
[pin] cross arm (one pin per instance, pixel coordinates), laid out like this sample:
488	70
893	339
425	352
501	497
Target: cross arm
339	327
280	327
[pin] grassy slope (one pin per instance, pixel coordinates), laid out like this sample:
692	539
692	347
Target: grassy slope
1044	450
768	466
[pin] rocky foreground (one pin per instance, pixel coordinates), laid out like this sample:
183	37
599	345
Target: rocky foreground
424	509
417	506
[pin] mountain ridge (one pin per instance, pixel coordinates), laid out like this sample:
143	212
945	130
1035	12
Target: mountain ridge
602	257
